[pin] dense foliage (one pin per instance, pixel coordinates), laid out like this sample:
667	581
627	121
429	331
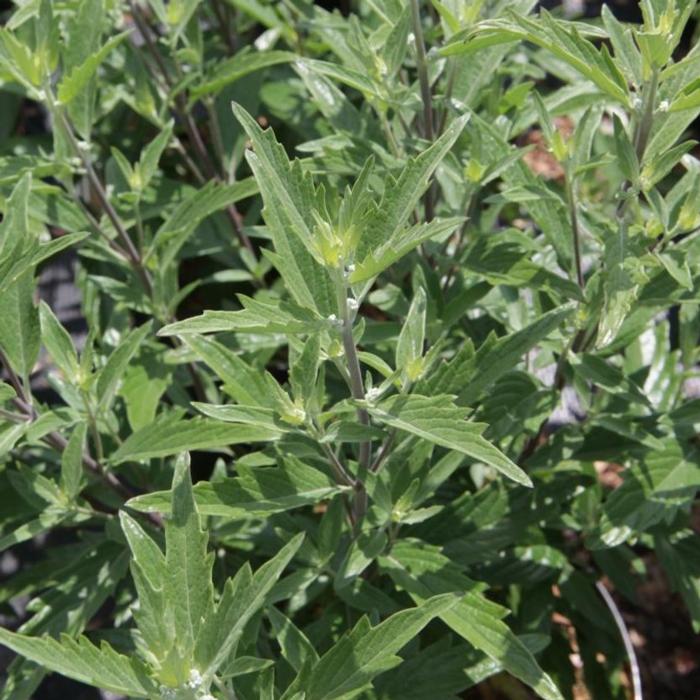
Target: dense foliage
395	339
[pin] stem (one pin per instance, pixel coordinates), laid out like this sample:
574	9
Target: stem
426	96
23	403
224	26
575	231
624	633
383	451
339	470
132	253
357	389
192	129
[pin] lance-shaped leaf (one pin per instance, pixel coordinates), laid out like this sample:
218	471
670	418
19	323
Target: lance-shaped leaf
113	371
20	335
72	462
409	347
257	491
244	383
58	342
187	588
469	374
72	84
438	420
244	595
81	660
388	218
171	434
257	317
243	63
347	668
290	201
563	39
423	571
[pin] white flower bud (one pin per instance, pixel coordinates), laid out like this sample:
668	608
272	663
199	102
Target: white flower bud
195	679
663	106
373	393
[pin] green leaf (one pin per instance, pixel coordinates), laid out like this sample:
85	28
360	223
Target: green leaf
290	202
232	69
626	156
243	596
304	369
409	348
72	462
244	383
562	39
604	375
666	480
83	661
394	48
26	531
150	156
171	434
294	645
75	82
257	491
438	420
111	374
257	317
15	235
20	335
403	243
619	286
58	342
193	209
187	588
469	374
347	669
423	572
622	40
679	555
387	220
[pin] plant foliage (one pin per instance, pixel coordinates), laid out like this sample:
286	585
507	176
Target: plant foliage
342	273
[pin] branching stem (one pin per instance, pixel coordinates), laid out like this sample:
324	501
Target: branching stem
426	96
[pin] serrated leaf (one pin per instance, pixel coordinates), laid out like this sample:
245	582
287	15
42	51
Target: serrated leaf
83	661
257	491
423	571
347	669
244	383
290	200
438	420
187	588
75	82
238	604
389	217
562	39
